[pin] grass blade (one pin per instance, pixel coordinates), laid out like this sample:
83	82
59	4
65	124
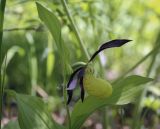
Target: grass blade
2	9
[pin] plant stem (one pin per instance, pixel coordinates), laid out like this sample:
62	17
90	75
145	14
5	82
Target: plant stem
138	110
105	118
104	111
137	64
2	9
65	101
75	29
82	47
157	45
138	107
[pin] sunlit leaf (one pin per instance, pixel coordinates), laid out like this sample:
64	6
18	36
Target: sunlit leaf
124	92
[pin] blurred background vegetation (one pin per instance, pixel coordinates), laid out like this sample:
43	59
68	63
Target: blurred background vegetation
33	64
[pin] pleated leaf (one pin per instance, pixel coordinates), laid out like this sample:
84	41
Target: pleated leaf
124	92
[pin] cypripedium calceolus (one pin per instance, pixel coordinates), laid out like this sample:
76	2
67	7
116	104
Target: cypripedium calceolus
84	75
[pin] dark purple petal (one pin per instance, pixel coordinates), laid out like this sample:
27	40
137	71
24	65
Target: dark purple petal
73	76
70	93
81	72
110	44
93	56
72	84
82	89
114	43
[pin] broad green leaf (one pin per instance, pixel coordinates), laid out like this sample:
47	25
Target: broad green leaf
50	21
124	92
32	113
54	26
12	125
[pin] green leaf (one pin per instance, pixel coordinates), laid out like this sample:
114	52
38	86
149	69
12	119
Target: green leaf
2	11
10	54
32	113
124	92
12	125
54	26
50	21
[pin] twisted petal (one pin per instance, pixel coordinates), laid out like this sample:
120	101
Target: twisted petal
110	44
72	77
82	89
72	83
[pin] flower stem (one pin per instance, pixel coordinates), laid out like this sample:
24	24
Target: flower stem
157	45
75	29
83	49
65	101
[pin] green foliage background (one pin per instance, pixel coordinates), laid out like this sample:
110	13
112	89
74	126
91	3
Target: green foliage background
36	55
